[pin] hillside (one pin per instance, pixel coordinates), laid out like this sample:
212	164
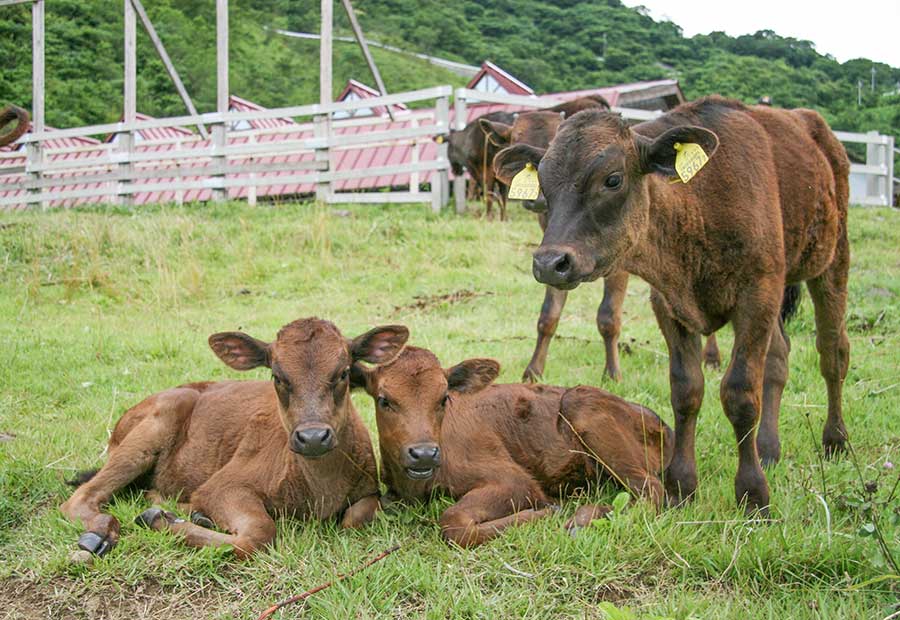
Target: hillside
565	44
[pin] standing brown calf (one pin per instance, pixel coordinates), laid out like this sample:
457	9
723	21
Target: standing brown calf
7	115
767	211
538	129
468	150
505	452
240	451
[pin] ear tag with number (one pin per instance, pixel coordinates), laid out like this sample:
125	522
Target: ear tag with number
525	185
688	160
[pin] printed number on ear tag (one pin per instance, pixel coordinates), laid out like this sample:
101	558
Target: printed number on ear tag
688	160
525	185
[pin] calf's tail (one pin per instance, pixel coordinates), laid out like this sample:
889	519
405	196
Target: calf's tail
82	477
790	303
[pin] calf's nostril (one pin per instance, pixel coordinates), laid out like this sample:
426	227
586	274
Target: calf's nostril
563	265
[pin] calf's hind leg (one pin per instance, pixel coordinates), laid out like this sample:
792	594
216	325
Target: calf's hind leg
829	296
767	442
155	424
484	512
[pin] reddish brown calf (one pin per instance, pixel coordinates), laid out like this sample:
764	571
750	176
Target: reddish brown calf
238	452
505	452
538	129
767	211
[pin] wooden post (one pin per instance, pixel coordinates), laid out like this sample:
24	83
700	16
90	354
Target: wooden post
167	63
415	177
35	150
321	129
129	102
219	130
322	124
358	33
325	52
459	182
442	116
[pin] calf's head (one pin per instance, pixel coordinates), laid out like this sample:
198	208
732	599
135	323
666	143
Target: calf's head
412	394
594	178
310	362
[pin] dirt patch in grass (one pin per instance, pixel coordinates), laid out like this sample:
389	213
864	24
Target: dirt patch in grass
60	598
427	302
6	436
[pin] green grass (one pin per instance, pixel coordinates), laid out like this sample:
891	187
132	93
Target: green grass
101	308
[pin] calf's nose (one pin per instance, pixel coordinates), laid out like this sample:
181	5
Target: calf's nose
424	455
312	441
552	266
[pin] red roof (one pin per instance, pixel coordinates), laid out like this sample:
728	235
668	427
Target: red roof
237	104
157	133
363	91
509	83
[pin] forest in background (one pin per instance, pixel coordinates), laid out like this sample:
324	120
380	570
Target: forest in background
552	46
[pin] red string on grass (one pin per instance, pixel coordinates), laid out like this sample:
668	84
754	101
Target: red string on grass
300	597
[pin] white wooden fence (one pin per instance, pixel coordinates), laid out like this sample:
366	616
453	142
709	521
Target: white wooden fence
118	171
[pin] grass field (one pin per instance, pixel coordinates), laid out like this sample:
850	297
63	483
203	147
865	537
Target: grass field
100	308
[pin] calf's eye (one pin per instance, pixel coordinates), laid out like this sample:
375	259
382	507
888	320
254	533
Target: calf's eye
445	400
344	374
613	181
383	403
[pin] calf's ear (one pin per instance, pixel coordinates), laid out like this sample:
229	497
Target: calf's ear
472	375
240	351
510	161
498	133
658	154
379	345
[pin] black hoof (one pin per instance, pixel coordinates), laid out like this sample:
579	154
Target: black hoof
95	543
198	518
149	517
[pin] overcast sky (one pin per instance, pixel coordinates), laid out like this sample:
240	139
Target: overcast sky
846	30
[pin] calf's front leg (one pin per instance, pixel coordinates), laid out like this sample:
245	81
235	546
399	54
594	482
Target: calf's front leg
483	513
361	512
686	384
237	510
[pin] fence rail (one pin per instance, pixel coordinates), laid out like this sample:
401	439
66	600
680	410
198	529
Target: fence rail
304	154
298	153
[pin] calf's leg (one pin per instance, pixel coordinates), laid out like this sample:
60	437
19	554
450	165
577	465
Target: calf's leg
776	373
609	320
361	512
161	417
484	512
238	510
741	389
554	302
711	355
829	296
686	384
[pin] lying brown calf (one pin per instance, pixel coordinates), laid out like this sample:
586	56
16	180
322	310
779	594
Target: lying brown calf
505	452
240	451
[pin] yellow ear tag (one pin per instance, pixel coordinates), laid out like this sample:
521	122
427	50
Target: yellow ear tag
525	185
439	139
688	160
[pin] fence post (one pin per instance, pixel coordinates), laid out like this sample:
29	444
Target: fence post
415	177
459	182
322	130
35	150
220	129
442	116
125	140
889	160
